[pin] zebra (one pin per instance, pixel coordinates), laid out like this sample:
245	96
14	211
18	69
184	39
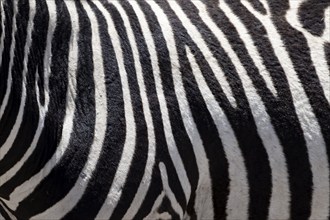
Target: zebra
164	109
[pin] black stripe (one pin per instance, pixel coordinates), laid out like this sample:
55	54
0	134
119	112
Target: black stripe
283	116
8	11
166	207
162	153
181	137
241	119
2	21
53	121
63	176
3	212
207	129
327	53
155	189
257	5
145	60
31	112
300	55
115	134
312	15
9	117
137	167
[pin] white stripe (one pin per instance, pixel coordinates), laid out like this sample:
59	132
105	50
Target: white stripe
153	211
2	39
28	186
42	109
187	117
168	192
311	129
238	199
316	45
129	146
146	179
250	46
198	39
11	61
238	196
172	147
71	199
279	202
8	212
204	181
14	131
326	33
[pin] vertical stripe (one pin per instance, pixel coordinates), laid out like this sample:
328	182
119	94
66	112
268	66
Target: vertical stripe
314	141
146	180
23	190
71	198
168	191
280	200
153	57
41	108
106	167
11	62
186	115
3	31
5	54
282	114
172	147
19	118
51	132
188	121
326	33
129	146
238	200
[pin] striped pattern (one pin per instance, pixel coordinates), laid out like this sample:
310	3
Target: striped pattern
164	109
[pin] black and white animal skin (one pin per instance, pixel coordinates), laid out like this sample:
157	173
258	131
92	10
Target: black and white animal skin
164	109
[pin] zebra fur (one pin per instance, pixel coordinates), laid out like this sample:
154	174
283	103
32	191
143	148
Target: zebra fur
215	109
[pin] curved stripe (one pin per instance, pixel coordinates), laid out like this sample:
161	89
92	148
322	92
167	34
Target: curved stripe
168	192
146	179
157	203
184	107
192	31
311	129
11	62
22	191
172	147
248	42
238	199
3	32
42	108
280	200
70	200
129	146
7	212
14	131
191	129
316	47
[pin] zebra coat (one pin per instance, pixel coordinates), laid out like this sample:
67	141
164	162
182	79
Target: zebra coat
160	109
